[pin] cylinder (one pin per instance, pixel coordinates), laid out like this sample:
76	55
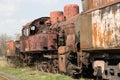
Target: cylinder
71	10
54	16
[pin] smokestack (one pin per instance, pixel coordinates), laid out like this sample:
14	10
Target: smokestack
71	10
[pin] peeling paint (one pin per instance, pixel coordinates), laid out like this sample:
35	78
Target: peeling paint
106	27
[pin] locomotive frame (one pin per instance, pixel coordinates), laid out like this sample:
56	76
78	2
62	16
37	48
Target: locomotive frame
85	44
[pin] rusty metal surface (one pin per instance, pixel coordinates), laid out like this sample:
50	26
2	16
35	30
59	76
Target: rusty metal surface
61	18
39	42
96	3
52	42
22	46
71	41
40	24
106	27
85	5
71	10
62	63
68	24
54	16
26	45
10	48
70	27
90	5
63	50
37	39
85	31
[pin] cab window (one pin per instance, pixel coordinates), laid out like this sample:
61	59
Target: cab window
26	32
32	30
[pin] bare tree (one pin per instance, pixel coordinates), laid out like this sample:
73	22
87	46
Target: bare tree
3	39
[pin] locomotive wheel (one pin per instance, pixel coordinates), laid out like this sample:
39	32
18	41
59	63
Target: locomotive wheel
45	67
54	70
70	70
99	73
37	66
55	66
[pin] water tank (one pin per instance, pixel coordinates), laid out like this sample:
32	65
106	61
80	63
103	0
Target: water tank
54	16
71	10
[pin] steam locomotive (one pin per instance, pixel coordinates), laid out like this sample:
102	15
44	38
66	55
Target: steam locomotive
85	44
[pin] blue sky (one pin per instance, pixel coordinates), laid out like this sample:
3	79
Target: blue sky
16	13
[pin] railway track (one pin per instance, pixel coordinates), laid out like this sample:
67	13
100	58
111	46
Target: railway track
3	78
6	76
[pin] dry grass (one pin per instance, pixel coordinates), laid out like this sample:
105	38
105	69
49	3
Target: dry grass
30	74
3	62
1	78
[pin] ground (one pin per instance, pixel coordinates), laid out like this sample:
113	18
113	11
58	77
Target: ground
27	73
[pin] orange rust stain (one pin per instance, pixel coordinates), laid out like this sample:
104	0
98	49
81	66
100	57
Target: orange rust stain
109	34
90	4
11	47
108	38
110	0
100	38
97	3
55	15
95	34
26	45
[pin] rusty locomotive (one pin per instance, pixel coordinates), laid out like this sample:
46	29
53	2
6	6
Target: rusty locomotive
12	50
85	44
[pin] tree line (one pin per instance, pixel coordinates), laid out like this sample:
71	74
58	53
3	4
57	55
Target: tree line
3	39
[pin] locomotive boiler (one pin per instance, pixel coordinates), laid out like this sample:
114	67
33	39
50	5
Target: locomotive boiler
78	44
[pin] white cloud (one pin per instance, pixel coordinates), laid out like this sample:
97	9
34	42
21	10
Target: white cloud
8	7
13	22
12	26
